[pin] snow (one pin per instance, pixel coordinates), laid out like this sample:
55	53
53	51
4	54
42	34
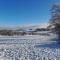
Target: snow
27	39
28	52
29	47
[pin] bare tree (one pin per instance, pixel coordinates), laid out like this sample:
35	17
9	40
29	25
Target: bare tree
55	17
55	20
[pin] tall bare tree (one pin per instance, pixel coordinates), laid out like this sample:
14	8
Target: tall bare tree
55	17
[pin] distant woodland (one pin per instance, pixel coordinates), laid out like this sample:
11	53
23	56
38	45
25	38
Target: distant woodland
7	32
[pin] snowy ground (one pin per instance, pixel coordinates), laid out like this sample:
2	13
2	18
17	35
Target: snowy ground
29	48
28	52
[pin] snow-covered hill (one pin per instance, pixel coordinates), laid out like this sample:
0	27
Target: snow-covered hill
25	27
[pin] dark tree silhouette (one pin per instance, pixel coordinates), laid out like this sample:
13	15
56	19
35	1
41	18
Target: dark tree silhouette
55	20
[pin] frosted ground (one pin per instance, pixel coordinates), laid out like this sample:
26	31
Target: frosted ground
28	47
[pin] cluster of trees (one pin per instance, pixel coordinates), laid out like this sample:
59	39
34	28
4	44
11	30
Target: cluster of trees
55	18
16	32
11	32
41	29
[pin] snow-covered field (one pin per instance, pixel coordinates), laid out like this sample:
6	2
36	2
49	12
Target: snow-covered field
29	47
27	39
